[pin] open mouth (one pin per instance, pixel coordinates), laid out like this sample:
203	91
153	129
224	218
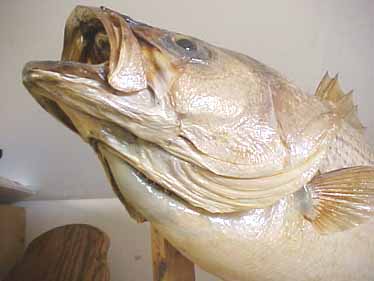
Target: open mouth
77	86
86	54
74	119
83	92
46	82
102	65
86	39
85	60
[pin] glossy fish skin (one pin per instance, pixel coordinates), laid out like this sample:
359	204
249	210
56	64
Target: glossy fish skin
274	243
226	144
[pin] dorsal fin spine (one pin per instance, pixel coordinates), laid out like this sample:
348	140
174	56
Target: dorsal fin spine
329	90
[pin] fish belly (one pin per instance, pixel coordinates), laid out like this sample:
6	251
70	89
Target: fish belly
273	244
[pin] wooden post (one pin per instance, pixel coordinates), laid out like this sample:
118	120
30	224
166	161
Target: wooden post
12	237
168	263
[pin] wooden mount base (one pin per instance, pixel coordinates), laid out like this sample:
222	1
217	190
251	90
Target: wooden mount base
74	252
168	263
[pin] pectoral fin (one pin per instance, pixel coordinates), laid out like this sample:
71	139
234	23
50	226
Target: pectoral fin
340	199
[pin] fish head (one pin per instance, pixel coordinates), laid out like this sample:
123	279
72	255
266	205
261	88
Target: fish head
112	65
205	116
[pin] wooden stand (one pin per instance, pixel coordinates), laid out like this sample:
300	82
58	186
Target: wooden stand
76	252
168	263
12	237
12	224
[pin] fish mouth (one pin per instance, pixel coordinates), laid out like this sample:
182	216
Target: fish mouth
55	110
107	70
97	131
79	92
45	79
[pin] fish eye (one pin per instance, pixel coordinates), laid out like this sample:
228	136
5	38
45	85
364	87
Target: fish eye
186	48
186	44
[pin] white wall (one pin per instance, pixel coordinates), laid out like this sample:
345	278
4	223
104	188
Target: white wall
301	38
130	252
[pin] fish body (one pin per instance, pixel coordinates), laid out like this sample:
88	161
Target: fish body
239	169
274	243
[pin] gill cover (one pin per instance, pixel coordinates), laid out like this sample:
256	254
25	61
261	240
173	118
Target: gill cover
248	136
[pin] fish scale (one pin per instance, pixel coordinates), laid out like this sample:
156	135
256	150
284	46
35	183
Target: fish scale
348	148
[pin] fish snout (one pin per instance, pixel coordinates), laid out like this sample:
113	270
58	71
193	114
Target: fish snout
33	69
61	70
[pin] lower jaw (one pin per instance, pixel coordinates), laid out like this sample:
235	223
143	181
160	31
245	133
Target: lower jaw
108	154
55	110
137	193
91	130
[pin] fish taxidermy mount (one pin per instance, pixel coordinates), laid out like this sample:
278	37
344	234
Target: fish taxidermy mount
244	173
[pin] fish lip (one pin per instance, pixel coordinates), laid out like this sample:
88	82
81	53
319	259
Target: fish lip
32	71
29	75
101	19
128	19
37	74
98	18
36	70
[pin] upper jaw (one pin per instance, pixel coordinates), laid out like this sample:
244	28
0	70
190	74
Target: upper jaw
83	87
34	70
74	84
52	83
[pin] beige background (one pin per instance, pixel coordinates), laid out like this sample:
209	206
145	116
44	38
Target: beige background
300	38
